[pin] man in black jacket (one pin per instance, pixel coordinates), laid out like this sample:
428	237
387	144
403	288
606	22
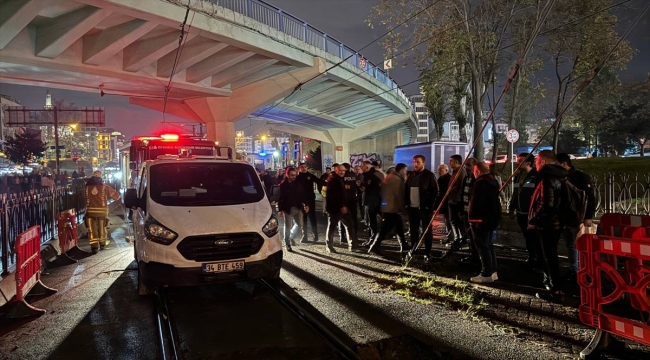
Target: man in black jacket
484	211
421	193
351	189
523	187
307	181
444	177
291	204
543	216
337	210
323	178
371	188
583	182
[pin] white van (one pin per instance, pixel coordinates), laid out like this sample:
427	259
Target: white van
201	220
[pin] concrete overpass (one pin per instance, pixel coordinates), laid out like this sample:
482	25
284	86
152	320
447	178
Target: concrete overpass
239	58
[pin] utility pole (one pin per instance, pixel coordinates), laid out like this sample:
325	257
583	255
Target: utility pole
56	140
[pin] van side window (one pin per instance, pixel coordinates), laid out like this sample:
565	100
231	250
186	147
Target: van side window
143	183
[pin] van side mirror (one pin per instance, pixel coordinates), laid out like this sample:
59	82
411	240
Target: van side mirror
131	200
275	193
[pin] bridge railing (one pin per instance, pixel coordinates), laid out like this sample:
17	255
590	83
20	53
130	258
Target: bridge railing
288	24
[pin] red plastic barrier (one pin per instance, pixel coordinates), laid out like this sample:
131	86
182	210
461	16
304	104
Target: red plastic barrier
28	261
67	227
609	222
28	275
68	239
590	276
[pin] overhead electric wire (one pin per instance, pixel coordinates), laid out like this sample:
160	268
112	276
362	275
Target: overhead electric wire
511	76
299	86
580	88
545	32
179	51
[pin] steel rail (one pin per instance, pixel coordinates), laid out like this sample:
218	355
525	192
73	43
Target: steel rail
326	335
166	333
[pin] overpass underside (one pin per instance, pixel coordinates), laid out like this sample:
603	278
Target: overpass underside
227	67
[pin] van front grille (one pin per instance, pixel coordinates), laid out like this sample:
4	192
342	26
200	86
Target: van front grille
220	246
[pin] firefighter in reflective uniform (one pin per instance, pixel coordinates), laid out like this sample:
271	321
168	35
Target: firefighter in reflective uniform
97	194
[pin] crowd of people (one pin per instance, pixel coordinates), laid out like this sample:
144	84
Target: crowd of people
20	183
468	197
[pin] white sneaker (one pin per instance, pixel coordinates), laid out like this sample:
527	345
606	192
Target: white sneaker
495	277
481	279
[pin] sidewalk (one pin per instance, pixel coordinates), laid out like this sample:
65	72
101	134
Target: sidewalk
438	303
80	286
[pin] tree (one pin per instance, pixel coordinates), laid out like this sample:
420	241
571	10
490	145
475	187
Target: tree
577	49
23	148
435	100
604	91
314	159
462	38
628	121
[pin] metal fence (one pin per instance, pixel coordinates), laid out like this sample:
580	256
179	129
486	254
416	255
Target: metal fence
19	212
616	193
288	24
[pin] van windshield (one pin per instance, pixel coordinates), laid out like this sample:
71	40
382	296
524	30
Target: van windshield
204	184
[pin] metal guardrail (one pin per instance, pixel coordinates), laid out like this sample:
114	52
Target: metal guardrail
288	24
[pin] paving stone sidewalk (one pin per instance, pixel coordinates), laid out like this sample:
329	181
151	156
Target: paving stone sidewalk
508	305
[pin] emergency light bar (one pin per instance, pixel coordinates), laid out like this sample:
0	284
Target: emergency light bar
169	137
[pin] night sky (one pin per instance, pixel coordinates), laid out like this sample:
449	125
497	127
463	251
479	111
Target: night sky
341	19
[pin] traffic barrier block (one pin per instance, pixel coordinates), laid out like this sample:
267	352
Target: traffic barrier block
629	282
27	275
68	239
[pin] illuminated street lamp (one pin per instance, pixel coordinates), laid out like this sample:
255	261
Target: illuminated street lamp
239	138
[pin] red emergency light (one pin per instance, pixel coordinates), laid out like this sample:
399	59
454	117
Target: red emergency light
169	137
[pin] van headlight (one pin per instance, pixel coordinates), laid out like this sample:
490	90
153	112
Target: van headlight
158	233
271	227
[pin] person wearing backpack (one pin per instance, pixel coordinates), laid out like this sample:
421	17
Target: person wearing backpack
544	217
583	182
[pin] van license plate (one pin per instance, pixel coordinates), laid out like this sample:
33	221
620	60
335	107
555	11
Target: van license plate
223	267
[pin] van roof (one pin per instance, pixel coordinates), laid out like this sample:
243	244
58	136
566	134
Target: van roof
166	159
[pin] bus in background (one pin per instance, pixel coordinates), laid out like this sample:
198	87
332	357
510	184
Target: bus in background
143	148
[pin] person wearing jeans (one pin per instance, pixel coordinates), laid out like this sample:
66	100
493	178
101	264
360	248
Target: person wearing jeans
583	182
484	211
291	205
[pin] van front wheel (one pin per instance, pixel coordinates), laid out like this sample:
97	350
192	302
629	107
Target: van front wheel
143	289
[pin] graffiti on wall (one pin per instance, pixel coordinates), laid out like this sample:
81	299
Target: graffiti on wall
358	159
328	161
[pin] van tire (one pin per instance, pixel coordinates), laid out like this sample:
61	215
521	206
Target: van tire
143	289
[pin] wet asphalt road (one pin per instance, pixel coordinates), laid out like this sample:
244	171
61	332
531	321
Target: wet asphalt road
240	321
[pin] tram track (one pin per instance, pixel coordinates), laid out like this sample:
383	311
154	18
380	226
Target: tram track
168	334
316	326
